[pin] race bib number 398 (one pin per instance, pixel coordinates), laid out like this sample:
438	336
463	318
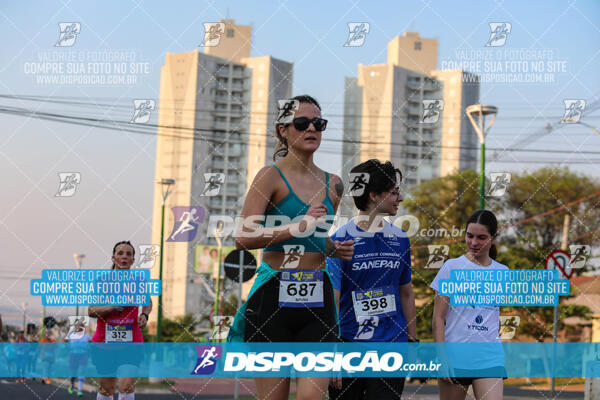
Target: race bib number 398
118	333
302	288
378	301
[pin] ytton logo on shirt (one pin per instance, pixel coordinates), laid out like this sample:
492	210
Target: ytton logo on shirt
478	327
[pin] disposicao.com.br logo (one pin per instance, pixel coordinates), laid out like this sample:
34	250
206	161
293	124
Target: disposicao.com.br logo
322	362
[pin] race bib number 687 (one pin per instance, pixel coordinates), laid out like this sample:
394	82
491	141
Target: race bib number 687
303	288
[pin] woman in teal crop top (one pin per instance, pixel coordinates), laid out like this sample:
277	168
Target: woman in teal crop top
288	211
294	208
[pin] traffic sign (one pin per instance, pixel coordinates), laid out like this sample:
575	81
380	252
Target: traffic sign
560	260
233	261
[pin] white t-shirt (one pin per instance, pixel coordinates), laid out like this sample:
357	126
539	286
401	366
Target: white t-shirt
471	323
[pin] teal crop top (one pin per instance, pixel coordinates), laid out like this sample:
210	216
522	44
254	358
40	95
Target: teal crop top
292	207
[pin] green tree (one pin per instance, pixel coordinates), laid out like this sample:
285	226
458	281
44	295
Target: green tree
533	196
536	199
442	206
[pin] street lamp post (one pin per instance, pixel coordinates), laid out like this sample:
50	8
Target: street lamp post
481	111
78	261
596	131
166	190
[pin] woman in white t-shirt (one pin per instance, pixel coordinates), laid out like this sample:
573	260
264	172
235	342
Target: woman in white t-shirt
471	323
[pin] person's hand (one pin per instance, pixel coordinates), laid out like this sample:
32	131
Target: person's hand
343	250
142	321
314	216
336	382
446	373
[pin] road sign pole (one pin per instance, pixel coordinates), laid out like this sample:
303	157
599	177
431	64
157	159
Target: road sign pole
553	262
563	246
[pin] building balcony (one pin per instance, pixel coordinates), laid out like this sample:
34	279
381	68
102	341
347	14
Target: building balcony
413	84
234	152
431	85
218	164
411	149
222	112
222	72
413	110
238	86
232	191
221	125
221	98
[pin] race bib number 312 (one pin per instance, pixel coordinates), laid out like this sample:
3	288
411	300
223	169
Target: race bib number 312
378	301
118	333
303	288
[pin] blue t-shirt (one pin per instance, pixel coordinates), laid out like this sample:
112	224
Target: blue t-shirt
369	284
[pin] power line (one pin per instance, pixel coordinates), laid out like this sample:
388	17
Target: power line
127	107
149	129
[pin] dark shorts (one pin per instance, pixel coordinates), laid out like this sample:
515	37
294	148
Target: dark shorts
494	372
267	322
368	389
107	358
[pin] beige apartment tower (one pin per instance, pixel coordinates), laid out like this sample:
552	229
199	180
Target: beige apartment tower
413	52
215	115
234	43
386	110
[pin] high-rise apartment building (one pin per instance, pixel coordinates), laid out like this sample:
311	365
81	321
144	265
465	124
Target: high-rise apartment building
389	114
216	113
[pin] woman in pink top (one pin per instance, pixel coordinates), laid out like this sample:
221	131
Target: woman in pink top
119	325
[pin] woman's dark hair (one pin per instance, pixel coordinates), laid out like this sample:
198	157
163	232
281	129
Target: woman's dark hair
382	177
488	219
117	245
281	149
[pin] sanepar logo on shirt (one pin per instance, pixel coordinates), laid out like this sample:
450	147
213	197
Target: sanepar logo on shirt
372	264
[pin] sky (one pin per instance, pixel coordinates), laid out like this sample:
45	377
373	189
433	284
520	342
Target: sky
114	199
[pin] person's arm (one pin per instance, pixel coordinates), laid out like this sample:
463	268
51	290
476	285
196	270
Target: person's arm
336	191
407	302
334	267
440	309
251	234
100	311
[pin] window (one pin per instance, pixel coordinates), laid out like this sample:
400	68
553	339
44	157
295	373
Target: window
230	32
418	46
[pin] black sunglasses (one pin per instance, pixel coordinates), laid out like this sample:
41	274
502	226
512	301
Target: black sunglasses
302	123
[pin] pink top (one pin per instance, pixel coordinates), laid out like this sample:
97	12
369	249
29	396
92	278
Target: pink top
123	317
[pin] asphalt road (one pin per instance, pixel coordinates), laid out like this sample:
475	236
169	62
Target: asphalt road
35	390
